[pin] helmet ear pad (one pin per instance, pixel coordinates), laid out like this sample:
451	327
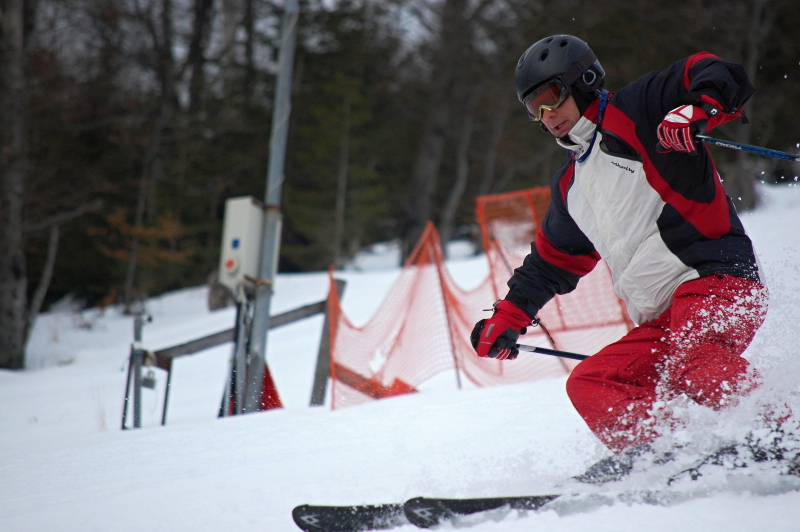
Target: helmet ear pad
582	98
592	81
588	87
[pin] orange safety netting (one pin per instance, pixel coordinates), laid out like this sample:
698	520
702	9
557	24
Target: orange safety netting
422	328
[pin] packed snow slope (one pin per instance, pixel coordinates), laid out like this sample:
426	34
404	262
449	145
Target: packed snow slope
65	464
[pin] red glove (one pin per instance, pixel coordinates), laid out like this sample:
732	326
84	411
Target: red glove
677	130
497	337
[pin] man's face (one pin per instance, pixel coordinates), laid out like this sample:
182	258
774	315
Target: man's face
562	119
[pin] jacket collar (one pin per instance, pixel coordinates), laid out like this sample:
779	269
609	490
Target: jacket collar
580	136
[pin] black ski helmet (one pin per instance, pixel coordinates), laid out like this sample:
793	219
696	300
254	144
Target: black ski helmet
562	56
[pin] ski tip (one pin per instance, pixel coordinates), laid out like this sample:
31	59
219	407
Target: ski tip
303	518
308	518
426	513
311	518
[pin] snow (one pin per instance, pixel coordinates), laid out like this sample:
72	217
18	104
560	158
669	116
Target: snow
65	464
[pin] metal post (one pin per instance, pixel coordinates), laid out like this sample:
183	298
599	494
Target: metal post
137	385
127	390
240	352
272	221
137	354
166	394
323	371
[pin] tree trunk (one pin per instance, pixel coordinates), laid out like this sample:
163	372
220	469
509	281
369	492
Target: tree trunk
44	281
249	23
419	205
14	166
341	184
448	219
166	73
196	56
54	224
454	44
740	183
232	15
498	124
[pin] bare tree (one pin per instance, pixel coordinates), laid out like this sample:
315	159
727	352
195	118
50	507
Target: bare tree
53	225
760	19
453	43
469	37
195	58
341	183
448	218
498	123
156	20
14	165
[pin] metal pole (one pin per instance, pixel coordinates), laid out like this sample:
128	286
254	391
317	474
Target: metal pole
166	394
551	352
273	220
750	148
323	371
127	390
137	352
137	386
135	372
240	353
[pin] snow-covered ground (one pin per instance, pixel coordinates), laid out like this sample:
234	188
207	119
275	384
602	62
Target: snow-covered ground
65	465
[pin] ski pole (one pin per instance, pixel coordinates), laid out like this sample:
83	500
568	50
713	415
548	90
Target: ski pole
747	147
551	352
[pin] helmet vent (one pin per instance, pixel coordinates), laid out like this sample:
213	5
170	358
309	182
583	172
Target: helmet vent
562	44
544	55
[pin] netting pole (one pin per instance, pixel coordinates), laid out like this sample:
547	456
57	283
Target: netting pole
334	314
433	240
529	199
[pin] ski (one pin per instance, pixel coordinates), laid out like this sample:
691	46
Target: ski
776	446
422	512
427	512
348	518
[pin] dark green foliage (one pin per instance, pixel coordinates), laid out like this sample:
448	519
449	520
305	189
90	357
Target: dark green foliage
345	91
363	80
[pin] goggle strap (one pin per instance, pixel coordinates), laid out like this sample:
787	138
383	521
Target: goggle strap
579	67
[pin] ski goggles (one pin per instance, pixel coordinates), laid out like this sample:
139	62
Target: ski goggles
547	96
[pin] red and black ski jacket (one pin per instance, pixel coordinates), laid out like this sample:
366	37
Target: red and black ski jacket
657	219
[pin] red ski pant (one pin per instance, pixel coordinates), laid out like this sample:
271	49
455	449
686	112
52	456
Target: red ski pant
692	348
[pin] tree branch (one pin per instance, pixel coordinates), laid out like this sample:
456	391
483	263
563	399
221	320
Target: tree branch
44	282
64	217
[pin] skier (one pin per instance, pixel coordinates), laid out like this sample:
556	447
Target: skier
637	190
